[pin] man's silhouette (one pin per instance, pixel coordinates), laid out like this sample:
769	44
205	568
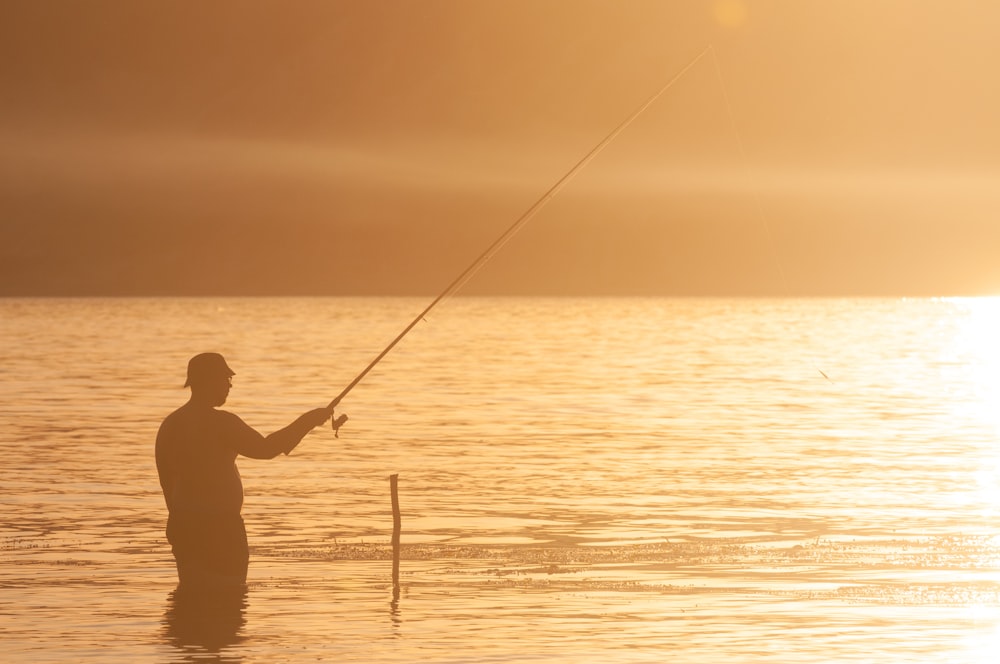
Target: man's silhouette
196	450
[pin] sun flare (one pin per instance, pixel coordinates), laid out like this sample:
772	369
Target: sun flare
730	13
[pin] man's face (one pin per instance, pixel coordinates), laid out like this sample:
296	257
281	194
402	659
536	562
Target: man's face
215	389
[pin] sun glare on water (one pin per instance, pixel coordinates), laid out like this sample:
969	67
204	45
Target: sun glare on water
977	347
979	344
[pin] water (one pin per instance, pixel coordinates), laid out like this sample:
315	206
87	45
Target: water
623	480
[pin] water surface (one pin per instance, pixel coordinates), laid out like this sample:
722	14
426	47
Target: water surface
581	480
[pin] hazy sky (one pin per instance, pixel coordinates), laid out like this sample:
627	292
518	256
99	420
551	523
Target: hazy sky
376	146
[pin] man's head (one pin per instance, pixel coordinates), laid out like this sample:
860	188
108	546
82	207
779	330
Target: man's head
209	376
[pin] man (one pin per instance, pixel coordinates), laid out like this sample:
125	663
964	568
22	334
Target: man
196	450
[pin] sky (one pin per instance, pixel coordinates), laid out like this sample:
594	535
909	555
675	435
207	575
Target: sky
358	147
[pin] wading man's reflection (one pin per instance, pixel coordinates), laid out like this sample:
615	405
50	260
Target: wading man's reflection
205	619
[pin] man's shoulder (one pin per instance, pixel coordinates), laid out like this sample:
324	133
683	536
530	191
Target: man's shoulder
190	424
225	423
194	416
226	416
172	420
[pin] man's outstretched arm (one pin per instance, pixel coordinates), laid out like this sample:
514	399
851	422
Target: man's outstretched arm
251	443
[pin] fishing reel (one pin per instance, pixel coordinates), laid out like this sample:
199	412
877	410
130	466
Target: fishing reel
336	424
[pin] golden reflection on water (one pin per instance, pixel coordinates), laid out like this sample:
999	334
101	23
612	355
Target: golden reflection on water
580	480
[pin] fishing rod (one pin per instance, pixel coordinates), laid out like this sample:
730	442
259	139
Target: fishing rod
484	257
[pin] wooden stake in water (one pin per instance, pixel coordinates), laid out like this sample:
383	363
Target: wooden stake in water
396	526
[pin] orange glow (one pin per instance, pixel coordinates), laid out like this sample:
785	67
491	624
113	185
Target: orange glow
730	13
410	137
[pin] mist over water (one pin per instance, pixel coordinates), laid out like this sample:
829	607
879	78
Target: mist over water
580	480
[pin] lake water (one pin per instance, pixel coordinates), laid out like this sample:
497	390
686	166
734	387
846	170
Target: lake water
612	480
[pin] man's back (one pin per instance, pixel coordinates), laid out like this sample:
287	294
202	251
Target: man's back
196	450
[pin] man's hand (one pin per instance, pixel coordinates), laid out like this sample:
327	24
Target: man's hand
318	416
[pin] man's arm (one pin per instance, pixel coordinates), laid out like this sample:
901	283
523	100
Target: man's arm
250	443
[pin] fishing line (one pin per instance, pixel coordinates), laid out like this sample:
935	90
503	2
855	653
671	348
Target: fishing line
506	236
755	189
